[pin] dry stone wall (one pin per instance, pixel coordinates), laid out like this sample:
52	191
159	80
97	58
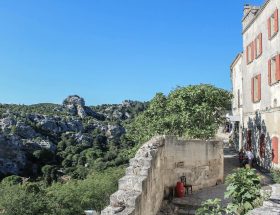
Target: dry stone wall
158	165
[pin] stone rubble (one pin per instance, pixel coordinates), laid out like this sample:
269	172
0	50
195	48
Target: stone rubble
270	206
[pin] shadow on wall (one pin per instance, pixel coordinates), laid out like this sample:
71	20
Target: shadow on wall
258	139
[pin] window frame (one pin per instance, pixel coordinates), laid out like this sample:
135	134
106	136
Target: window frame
274	73
273	28
258	46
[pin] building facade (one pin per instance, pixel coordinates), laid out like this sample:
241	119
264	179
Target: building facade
259	110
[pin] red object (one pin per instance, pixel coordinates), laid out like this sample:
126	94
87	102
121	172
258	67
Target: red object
276	20
275	150
180	190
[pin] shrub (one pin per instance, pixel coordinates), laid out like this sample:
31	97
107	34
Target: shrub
276	175
12	180
244	190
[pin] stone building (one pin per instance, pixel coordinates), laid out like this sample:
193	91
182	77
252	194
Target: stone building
237	102
255	77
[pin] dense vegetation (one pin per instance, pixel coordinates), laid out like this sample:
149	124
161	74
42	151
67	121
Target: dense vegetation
83	169
193	111
72	197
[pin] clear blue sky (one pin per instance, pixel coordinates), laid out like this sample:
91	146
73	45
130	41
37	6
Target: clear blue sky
110	50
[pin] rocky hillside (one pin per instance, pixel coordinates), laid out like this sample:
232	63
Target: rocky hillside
71	138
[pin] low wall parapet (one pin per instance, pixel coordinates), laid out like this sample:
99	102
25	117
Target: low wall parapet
157	165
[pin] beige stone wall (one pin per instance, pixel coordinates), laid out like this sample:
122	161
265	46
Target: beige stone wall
158	165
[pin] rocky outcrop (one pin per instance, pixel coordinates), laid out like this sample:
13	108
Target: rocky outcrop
76	106
25	131
38	144
54	124
6	123
12	157
115	131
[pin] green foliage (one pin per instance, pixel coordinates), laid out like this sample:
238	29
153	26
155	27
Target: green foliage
44	156
19	199
92	193
210	207
50	174
275	175
193	111
244	190
71	198
12	180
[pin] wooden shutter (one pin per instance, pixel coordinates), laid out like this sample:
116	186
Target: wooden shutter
276	20
256	47
260	44
247	55
252	89
278	67
275	150
259	88
252	51
269	28
269	72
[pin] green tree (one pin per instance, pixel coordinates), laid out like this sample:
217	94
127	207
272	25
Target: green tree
192	111
17	199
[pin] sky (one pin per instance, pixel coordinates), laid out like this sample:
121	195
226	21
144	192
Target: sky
107	51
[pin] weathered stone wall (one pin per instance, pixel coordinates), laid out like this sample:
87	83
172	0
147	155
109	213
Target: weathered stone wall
158	165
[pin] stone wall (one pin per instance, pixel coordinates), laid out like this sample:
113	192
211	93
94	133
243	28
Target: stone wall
158	165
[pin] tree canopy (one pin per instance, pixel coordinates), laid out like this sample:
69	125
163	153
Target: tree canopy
192	111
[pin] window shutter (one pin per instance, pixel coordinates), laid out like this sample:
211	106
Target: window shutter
252	89
276	20
256	47
247	55
269	28
259	88
275	150
252	52
269	72
278	67
260	44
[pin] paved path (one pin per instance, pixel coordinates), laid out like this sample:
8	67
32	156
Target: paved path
191	202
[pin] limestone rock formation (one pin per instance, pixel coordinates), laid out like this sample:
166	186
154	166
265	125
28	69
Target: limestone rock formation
76	106
115	131
12	158
25	131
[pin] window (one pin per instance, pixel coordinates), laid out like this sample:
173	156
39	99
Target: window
274	143
262	146
250	52
272	24
256	88
274	70
258	45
